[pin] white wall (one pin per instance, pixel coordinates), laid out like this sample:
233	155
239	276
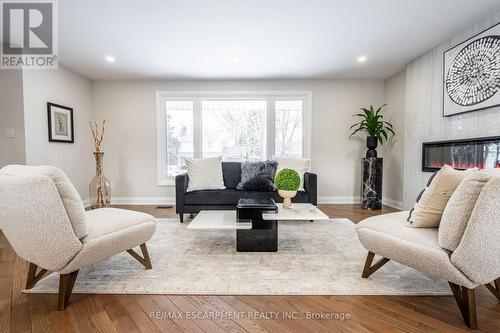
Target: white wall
393	151
423	117
67	88
130	144
12	149
414	98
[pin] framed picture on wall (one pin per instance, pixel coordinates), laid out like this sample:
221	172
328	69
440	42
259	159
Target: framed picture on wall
61	127
471	76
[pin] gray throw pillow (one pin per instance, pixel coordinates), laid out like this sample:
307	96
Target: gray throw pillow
258	176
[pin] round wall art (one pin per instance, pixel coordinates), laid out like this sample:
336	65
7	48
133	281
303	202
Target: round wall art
472	74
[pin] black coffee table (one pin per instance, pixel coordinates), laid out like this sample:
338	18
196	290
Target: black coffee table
263	236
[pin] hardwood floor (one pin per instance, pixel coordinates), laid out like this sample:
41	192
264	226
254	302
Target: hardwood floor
182	313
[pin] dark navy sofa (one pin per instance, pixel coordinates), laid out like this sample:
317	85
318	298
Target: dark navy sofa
195	201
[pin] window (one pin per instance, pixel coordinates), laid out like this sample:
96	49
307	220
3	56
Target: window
234	129
288	128
238	126
179	135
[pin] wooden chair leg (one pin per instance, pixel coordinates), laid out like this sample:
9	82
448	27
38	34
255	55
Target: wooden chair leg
494	287
466	301
368	269
33	276
66	284
145	260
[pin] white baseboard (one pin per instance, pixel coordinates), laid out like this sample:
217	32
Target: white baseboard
171	201
142	200
393	203
338	200
136	201
356	199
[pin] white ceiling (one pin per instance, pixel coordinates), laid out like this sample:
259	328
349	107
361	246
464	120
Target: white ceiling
255	39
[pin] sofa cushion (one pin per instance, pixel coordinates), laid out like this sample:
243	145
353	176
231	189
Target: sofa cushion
213	197
458	209
231	172
387	235
429	208
257	176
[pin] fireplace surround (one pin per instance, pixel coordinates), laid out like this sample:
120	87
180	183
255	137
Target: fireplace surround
461	154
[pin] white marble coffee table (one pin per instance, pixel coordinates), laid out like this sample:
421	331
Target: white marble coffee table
259	234
217	220
226	219
298	212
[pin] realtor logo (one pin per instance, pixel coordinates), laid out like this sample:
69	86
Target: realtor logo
29	34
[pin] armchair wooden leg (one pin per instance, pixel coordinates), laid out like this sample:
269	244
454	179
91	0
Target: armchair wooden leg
33	276
146	261
494	287
466	301
368	269
66	284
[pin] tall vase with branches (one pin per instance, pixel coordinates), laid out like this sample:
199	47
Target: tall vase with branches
99	188
372	123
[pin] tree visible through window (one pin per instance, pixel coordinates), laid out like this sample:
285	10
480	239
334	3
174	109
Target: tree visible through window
288	129
234	129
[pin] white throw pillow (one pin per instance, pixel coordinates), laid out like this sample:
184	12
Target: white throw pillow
429	207
299	165
205	174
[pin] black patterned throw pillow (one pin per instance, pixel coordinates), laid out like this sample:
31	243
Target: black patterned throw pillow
258	176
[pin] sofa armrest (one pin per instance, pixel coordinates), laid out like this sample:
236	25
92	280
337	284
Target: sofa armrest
181	185
311	187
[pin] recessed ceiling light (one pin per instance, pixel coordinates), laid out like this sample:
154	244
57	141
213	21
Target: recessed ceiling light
236	60
362	58
110	59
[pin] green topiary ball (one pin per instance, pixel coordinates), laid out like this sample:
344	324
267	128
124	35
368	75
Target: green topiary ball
287	180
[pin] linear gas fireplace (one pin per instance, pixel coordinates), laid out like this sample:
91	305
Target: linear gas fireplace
461	154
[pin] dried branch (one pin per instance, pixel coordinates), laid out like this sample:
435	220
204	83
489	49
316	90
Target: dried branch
97	135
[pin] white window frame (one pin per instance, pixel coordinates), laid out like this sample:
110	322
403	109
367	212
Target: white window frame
198	96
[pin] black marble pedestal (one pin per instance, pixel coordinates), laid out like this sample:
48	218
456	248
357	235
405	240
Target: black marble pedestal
371	187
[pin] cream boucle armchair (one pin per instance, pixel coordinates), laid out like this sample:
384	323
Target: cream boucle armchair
43	218
472	262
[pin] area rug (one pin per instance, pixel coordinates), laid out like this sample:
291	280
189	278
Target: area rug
314	258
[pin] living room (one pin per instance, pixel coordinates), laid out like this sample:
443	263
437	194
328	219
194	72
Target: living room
285	166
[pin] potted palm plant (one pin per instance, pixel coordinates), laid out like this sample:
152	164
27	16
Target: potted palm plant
288	182
371	122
